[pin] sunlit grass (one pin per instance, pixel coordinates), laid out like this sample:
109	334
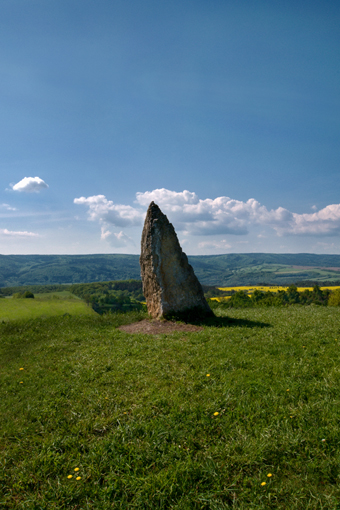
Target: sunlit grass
99	419
63	294
11	308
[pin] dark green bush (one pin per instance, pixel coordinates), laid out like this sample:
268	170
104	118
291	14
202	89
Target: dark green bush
26	294
240	300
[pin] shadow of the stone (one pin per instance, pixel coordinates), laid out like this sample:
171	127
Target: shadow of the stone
228	322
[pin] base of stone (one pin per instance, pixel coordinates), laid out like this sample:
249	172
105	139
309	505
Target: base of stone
159	327
189	314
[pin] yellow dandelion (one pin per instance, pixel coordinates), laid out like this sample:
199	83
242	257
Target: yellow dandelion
263	483
288	390
208	375
78	478
20	368
291	416
76	469
124	412
216	414
269	475
70	476
21	382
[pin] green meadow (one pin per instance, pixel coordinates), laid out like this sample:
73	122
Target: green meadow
243	414
43	305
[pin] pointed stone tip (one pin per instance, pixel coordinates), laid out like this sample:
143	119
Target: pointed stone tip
154	208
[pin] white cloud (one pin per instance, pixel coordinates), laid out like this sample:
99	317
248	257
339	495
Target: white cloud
166	197
325	222
30	185
11	233
118	240
220	245
105	234
105	211
8	207
219	216
222	215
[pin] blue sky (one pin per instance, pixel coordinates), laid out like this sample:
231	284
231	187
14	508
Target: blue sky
226	113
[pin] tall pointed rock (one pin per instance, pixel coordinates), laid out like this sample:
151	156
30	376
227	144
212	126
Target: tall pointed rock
169	282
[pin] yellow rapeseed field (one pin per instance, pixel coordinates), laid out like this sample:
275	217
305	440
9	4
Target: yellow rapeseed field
249	289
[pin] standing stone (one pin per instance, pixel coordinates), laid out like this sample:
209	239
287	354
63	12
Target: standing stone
170	286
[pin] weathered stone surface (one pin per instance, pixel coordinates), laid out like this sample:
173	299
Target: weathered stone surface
170	285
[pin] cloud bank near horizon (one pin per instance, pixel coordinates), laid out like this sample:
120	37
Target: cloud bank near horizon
18	234
194	216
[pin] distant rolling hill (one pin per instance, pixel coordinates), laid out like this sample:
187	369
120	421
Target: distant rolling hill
222	270
51	269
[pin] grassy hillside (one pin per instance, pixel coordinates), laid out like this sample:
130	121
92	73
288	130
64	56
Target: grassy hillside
265	268
220	270
243	415
18	270
48	305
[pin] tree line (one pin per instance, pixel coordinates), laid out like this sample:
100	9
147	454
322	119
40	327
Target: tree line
316	296
111	296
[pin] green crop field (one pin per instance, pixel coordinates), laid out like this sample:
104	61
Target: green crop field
243	414
48	305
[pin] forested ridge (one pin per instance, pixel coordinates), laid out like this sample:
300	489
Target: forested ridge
222	270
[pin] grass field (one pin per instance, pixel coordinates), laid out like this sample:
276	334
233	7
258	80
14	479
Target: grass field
63	294
43	305
244	414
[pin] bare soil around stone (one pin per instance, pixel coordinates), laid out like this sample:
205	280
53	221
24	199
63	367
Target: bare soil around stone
158	327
